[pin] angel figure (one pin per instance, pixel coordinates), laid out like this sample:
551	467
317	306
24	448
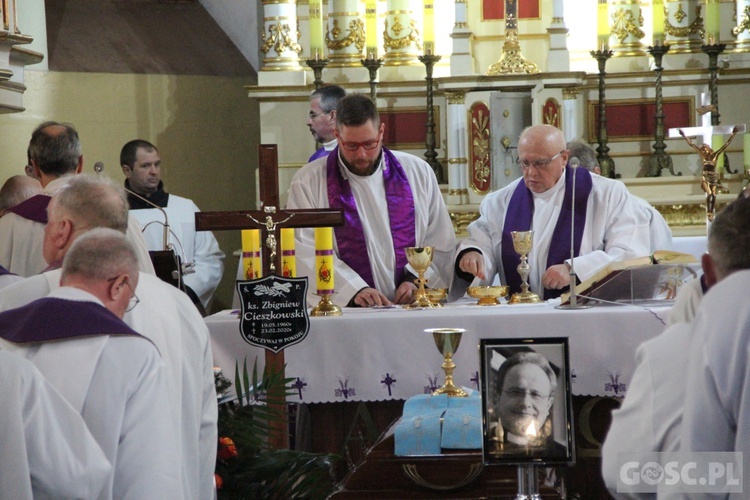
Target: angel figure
710	182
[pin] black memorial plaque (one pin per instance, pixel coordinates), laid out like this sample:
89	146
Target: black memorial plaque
274	312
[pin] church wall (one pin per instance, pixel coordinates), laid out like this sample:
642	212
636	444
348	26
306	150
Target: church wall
206	130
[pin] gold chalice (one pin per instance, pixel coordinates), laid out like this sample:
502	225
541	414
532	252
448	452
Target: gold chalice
420	259
487	295
522	243
447	340
437	296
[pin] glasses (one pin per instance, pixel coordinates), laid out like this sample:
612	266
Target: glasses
134	300
535	396
315	115
537	164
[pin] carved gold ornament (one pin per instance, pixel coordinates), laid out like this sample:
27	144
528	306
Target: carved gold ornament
686	31
626	24
744	24
355	35
280	39
404	41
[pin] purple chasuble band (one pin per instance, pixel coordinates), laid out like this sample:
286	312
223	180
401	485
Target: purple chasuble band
4	271
520	213
50	318
350	237
35	208
321	152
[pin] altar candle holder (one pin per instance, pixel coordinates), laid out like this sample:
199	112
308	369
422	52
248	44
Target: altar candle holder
324	275
606	163
429	61
317	64
373	65
713	50
660	159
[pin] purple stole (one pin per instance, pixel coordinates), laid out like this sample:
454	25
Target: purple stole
50	319
35	208
520	213
350	237
319	153
4	271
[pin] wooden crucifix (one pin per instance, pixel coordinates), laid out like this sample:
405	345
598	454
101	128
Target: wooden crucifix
270	219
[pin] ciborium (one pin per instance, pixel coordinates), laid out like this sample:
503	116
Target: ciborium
487	295
447	340
522	244
420	259
437	296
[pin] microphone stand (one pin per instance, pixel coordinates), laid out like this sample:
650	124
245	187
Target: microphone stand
573	303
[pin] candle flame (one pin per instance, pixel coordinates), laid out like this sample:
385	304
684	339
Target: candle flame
531	429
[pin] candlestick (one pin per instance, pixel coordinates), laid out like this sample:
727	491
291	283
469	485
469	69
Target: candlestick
746	151
251	254
371	29
288	254
324	260
713	21
717	141
606	163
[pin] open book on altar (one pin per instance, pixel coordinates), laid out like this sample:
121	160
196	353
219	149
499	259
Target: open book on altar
655	277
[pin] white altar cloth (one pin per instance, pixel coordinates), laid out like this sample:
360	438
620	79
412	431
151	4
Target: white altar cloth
383	354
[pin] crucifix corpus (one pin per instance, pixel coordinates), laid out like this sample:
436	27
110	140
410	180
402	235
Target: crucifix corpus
710	175
270	219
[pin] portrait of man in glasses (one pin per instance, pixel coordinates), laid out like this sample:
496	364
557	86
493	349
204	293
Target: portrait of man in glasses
523	391
605	224
391	200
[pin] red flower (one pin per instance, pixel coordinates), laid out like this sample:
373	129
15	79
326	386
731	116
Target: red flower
227	449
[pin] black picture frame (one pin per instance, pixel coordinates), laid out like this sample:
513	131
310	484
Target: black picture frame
523	405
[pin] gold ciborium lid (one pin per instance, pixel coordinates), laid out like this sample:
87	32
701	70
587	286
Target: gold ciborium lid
488	295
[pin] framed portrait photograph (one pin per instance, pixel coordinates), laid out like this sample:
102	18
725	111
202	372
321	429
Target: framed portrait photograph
527	414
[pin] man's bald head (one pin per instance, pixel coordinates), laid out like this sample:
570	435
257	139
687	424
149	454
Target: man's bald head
16	189
542	154
84	203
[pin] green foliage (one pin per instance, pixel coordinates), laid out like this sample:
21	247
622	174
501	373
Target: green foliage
258	471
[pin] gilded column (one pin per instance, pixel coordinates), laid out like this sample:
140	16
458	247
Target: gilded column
626	23
558	57
280	39
401	36
457	158
345	36
684	25
742	30
462	62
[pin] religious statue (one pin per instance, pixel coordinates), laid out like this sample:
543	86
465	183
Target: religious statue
710	181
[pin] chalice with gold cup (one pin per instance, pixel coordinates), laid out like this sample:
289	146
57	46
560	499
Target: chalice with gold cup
420	259
447	340
522	244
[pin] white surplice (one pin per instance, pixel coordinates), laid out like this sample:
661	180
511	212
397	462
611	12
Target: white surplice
650	416
21	240
197	247
433	226
118	384
616	229
47	450
165	316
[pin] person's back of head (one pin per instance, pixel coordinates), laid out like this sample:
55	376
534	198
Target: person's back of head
585	154
103	262
729	239
55	149
129	151
355	110
330	96
16	189
91	201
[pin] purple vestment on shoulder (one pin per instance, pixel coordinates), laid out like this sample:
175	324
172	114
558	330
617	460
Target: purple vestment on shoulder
52	318
319	154
35	208
350	238
520	213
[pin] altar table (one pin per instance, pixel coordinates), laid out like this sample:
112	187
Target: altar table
384	354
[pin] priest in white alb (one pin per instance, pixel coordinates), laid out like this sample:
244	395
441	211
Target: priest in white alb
609	224
391	201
